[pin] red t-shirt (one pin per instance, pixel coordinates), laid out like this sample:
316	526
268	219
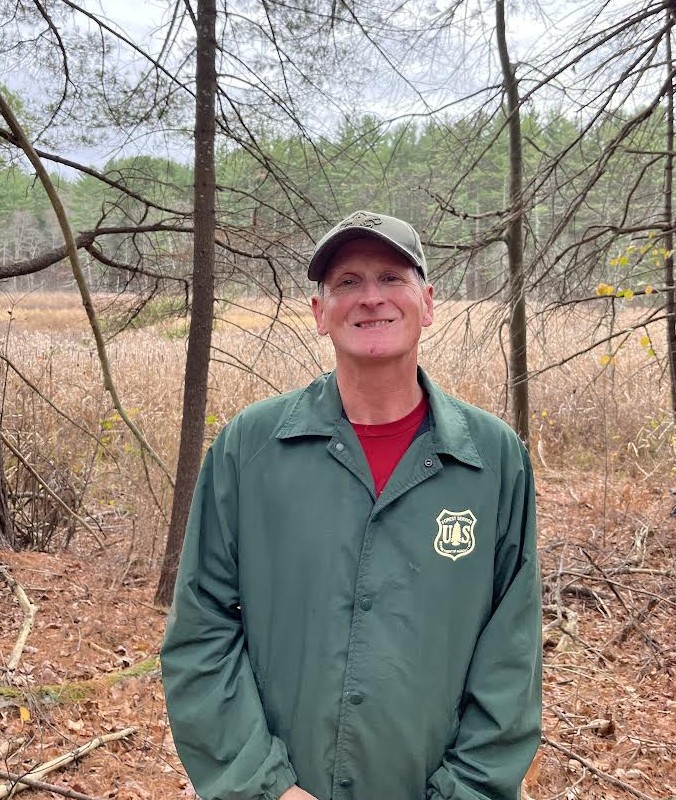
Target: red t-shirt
384	445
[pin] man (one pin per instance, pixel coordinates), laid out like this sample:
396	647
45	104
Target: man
357	610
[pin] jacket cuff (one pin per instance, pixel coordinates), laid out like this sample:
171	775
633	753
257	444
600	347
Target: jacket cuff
285	778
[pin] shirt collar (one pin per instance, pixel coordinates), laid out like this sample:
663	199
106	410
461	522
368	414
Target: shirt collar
318	411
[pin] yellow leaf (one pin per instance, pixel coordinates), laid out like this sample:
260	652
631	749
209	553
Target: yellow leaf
24	713
645	340
651	353
605	360
649	289
604	289
628	294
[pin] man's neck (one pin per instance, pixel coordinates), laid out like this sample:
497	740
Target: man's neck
379	393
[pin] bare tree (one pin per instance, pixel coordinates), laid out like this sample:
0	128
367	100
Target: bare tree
6	523
518	345
670	289
201	323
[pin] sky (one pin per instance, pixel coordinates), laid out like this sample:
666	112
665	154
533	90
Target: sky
461	63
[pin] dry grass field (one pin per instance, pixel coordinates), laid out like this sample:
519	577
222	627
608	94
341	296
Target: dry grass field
603	446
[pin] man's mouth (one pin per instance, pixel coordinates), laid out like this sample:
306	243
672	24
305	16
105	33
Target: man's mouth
376	323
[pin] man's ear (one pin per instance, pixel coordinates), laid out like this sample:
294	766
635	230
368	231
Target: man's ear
428	300
318	311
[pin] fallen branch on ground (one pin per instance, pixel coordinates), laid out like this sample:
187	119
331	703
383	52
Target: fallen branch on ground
595	770
25	782
37	773
29	612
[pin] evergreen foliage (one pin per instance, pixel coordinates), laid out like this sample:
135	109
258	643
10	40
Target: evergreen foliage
446	177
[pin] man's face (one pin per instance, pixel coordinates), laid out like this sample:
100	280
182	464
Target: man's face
373	306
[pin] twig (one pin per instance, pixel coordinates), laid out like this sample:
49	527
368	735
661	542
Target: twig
12	745
664	573
652	743
633	624
52	493
600	727
37	773
29	612
635	589
595	770
633	621
578	590
103	651
22	781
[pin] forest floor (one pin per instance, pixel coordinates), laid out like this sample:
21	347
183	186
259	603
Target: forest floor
608	547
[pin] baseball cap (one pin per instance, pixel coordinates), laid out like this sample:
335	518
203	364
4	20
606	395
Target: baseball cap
395	232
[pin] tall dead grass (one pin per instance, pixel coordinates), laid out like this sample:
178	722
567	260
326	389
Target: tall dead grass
593	412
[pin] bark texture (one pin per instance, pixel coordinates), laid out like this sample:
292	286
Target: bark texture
518	349
199	338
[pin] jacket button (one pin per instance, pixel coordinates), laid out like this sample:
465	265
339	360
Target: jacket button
428	462
366	604
340	447
346	782
356	698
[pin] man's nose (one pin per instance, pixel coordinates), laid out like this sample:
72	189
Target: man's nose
372	293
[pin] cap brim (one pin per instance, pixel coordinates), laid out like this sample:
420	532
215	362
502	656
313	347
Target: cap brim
323	255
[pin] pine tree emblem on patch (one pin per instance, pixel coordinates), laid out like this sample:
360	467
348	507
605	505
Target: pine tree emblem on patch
455	535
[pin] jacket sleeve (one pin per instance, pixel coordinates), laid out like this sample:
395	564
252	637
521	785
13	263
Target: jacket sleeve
500	722
214	708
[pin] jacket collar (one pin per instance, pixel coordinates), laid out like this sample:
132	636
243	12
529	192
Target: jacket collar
450	431
318	411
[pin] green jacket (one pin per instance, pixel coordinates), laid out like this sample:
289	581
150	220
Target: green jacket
367	649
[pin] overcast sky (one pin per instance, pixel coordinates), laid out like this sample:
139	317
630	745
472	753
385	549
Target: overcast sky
529	34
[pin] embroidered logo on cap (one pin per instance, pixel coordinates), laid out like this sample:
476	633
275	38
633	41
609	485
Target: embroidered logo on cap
361	219
455	534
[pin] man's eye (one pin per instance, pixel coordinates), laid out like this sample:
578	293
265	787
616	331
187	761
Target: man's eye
391	278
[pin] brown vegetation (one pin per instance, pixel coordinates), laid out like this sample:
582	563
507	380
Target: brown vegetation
603	448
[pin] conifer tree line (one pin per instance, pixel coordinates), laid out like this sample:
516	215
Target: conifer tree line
614	238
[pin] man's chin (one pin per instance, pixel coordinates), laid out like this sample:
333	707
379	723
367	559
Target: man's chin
374	355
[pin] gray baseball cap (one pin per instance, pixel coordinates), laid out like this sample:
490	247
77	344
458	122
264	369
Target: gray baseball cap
364	224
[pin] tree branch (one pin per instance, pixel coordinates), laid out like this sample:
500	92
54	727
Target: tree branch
29	612
596	771
17	454
61	761
33	783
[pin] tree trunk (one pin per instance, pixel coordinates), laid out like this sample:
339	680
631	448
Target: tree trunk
199	338
7	540
518	350
669	238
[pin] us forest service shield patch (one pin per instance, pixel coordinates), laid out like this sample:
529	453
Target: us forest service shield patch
455	534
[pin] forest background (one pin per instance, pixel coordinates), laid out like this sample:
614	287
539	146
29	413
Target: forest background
161	188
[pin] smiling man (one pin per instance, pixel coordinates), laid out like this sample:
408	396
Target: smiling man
357	610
